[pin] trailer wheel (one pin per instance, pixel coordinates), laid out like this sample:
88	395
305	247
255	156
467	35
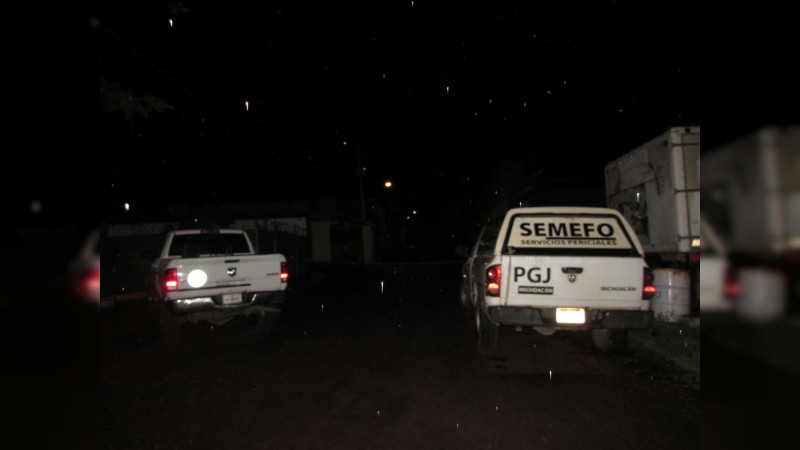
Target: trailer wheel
610	340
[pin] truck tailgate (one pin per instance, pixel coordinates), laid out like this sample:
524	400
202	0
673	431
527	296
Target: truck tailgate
598	282
252	273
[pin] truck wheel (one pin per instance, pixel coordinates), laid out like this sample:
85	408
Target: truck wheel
486	331
610	340
169	323
465	300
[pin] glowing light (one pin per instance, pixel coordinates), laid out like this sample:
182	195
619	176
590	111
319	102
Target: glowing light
448	89
381	287
127	206
246	105
170	23
197	278
414	212
695	242
387	184
36	206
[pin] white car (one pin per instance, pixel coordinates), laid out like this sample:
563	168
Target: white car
558	268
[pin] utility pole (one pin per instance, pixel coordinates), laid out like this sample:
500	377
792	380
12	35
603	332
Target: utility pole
360	174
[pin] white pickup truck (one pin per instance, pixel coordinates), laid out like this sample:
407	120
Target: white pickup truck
558	268
215	275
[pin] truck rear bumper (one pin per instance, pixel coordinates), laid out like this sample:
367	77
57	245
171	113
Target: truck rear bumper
546	317
251	302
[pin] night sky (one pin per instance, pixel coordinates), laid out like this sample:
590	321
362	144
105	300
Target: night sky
281	100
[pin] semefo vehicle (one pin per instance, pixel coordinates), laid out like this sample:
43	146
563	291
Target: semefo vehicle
558	268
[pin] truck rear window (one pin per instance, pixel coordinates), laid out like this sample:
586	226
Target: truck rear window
582	234
194	245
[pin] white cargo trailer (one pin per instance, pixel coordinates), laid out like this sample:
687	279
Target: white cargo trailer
751	196
656	186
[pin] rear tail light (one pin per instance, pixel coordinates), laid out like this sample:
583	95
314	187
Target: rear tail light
284	272
91	282
493	280
87	284
732	288
648	290
694	258
171	279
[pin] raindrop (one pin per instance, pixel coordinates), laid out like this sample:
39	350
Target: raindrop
170	23
497	408
322	307
490	101
456	426
36	206
246	105
127	206
551	375
381	287
548	92
448	89
379	413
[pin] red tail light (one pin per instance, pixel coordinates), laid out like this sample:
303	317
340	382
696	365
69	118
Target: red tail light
732	287
91	281
284	272
493	280
648	290
87	284
171	279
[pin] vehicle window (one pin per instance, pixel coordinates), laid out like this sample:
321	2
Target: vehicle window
194	245
574	234
489	237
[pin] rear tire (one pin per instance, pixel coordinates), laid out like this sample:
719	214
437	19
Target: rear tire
486	331
610	340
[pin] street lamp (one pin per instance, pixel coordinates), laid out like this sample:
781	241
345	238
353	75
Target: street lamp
388	184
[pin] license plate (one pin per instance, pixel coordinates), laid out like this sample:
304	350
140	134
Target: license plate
228	299
570	315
